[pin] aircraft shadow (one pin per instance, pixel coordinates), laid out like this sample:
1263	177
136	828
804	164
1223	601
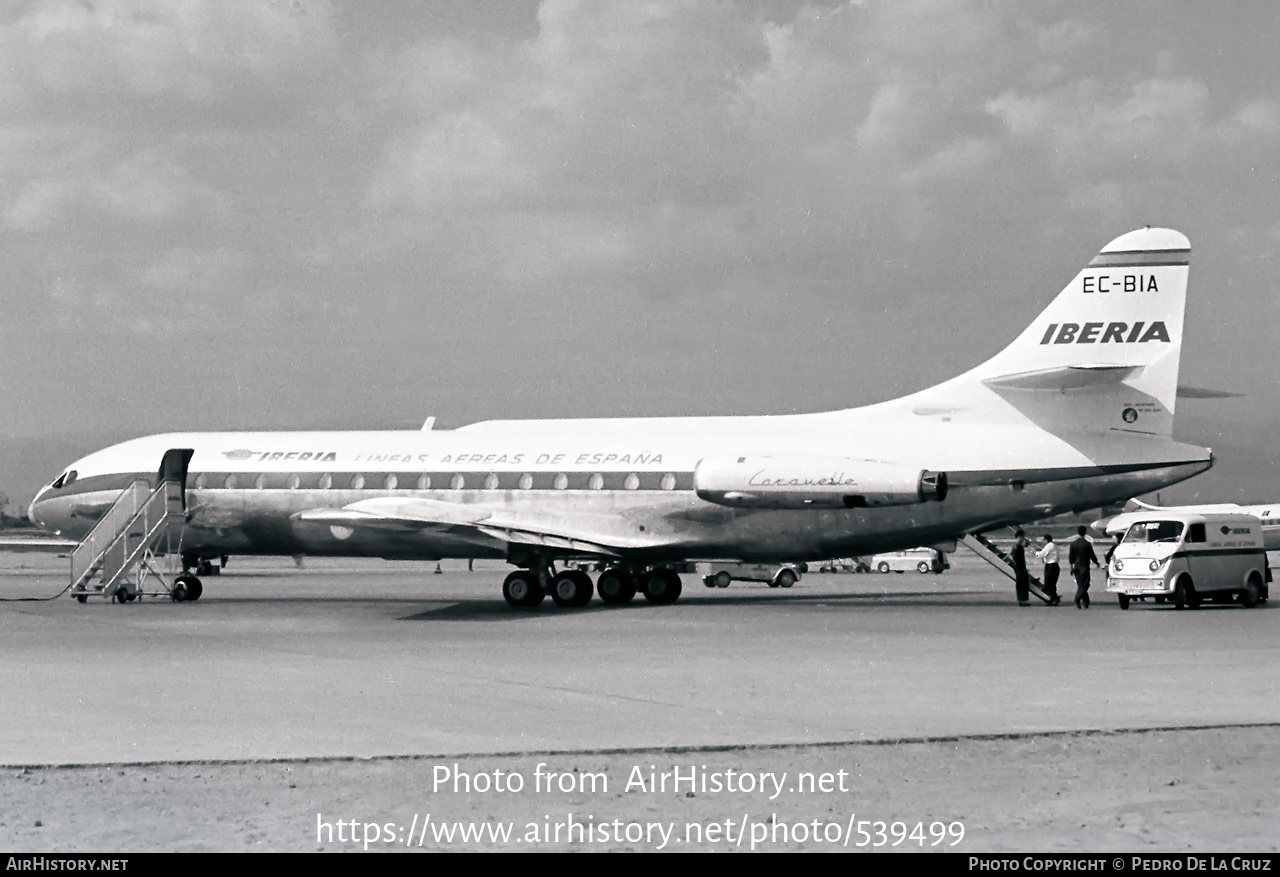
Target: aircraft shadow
496	610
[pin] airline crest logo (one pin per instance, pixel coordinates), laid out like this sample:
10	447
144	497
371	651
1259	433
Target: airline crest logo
1094	333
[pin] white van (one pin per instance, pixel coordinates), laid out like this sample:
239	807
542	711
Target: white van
1189	558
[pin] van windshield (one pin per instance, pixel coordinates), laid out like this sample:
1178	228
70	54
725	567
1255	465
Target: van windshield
1154	531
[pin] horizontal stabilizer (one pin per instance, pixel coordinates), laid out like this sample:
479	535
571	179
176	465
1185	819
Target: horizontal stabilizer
1064	378
1185	392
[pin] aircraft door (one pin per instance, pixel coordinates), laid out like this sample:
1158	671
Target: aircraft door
173	467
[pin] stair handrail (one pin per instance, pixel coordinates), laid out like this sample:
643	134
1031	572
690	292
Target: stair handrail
156	513
91	548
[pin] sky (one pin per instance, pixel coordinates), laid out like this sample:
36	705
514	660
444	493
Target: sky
279	214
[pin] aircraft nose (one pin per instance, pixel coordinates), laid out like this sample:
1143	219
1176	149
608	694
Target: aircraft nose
33	512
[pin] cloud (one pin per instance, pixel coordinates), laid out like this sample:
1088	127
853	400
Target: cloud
144	188
634	176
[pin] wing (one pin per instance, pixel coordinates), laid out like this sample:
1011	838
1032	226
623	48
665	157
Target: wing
50	546
458	519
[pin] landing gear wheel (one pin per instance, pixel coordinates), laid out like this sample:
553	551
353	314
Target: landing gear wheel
723	579
571	588
1252	595
785	579
194	589
616	586
883	566
1124	600
661	586
83	598
180	589
1184	594
521	589
922	567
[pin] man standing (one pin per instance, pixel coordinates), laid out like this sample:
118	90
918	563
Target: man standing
1080	556
1021	584
1050	554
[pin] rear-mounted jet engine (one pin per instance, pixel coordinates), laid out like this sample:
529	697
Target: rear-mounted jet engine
797	482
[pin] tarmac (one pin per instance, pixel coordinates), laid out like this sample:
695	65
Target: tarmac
365	659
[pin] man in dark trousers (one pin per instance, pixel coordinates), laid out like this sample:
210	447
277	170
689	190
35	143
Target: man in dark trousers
1021	583
1080	556
1049	554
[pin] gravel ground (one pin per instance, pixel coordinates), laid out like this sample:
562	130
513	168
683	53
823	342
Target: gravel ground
1150	791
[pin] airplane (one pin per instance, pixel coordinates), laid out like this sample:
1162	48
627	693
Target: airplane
1267	513
1075	413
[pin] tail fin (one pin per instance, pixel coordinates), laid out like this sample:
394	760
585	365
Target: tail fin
1103	356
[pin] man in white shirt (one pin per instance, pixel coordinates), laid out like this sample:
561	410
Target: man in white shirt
1049	554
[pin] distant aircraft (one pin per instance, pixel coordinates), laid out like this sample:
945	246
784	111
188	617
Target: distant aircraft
1075	413
1267	513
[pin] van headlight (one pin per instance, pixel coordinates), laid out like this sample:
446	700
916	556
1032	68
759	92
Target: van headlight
1155	565
1119	564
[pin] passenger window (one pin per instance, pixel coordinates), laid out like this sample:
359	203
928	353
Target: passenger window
457	482
325	482
668	482
260	482
357	482
632	482
1195	533
390	482
230	482
561	482
596	481
200	482
424	482
526	481
491	483
294	482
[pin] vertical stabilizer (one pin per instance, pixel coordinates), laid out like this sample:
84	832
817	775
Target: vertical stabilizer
1103	356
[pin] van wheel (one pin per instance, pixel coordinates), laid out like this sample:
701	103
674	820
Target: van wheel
786	578
1252	592
723	579
883	567
922	567
1184	594
1124	600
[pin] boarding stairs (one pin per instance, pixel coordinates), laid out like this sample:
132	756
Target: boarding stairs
142	524
992	554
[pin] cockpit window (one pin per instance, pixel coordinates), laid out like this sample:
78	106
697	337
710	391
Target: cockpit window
1154	531
65	479
69	479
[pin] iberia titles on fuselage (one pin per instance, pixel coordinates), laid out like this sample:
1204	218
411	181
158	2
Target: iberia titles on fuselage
1075	413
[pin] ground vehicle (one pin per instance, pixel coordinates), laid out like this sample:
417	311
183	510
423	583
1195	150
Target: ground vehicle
923	560
844	564
1190	558
776	575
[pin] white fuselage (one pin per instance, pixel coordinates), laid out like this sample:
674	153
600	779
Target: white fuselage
627	483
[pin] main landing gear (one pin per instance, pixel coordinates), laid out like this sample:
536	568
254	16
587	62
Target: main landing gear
526	588
187	586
